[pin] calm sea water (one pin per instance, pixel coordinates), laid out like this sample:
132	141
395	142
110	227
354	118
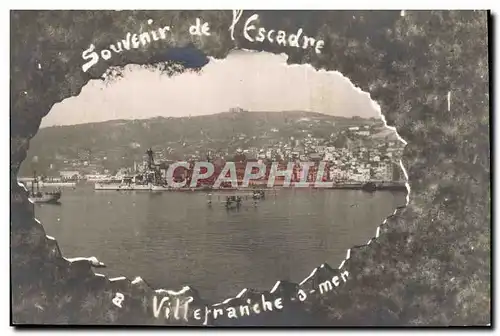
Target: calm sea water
174	239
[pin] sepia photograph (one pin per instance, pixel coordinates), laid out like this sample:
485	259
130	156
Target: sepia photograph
269	167
249	168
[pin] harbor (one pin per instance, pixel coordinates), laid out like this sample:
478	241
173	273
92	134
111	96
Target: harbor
152	178
161	235
136	209
224	201
149	177
37	195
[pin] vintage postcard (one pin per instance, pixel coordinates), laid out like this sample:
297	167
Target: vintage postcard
250	168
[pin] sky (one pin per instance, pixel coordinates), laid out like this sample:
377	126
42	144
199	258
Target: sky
254	81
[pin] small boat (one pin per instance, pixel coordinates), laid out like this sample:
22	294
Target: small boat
122	186
258	194
45	197
369	187
42	197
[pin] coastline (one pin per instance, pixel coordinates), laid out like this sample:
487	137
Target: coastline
377	186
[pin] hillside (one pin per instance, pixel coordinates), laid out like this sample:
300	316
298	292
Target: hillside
119	140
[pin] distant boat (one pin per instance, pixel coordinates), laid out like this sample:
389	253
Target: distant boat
233	202
258	194
122	186
37	196
45	197
369	187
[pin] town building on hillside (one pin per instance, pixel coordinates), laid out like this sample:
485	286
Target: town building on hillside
360	174
70	174
236	110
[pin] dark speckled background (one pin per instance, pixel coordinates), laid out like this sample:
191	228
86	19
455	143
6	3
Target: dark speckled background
431	263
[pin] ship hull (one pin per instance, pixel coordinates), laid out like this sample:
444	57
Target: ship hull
122	187
160	188
207	189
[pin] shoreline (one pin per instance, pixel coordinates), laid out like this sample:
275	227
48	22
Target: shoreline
393	186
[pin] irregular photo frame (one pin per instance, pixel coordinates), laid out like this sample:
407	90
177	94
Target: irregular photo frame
25	236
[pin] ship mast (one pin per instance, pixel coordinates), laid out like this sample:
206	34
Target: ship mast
33	183
151	161
152	167
34	162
